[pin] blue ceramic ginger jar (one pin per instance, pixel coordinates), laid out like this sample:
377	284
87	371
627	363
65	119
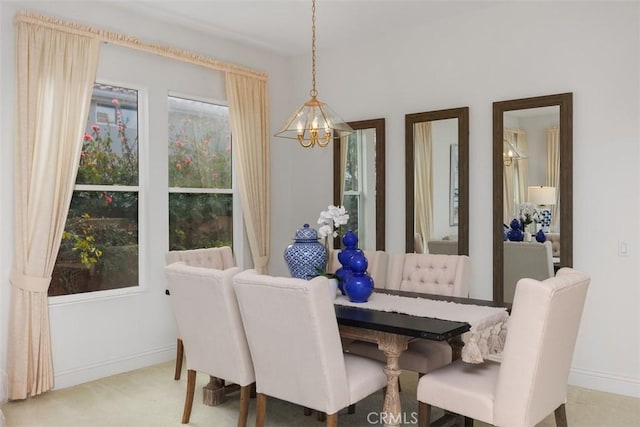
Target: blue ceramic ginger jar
359	285
306	256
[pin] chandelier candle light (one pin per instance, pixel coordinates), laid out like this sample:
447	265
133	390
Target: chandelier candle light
314	121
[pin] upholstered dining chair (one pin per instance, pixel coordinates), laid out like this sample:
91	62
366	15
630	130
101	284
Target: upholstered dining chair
211	329
531	380
525	259
293	336
219	258
448	275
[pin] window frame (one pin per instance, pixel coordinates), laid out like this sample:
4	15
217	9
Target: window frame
141	188
238	235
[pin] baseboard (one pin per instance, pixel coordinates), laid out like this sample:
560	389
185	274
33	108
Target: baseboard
603	381
106	368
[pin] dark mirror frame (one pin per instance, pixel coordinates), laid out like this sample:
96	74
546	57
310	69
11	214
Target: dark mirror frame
565	102
379	126
462	114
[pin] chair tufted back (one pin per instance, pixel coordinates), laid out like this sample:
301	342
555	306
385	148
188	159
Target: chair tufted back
554	238
377	269
448	275
220	258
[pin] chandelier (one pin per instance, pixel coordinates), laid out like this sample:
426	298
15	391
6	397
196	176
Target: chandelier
314	121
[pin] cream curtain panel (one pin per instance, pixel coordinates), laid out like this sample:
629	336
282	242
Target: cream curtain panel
423	193
247	97
344	148
515	176
553	173
56	71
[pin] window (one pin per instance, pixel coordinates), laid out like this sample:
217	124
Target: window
99	248
200	175
352	198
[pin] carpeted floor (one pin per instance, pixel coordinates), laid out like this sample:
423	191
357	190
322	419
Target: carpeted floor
150	397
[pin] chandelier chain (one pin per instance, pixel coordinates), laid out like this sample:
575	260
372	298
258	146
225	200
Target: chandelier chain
313	92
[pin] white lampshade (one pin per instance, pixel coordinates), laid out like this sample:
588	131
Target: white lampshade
541	195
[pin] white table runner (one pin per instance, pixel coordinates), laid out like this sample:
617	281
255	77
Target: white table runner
488	324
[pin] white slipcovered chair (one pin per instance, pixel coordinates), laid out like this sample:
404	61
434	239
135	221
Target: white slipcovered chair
219	258
211	329
448	275
525	259
293	336
377	268
531	380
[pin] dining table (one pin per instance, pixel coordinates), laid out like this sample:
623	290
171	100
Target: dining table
393	330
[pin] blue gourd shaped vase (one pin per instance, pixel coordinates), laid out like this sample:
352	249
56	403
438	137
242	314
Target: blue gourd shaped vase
515	234
540	237
359	285
350	248
306	257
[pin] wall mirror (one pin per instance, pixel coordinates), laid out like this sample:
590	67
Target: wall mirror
359	181
437	180
532	173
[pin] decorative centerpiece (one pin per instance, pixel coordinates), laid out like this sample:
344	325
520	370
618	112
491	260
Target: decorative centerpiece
350	242
515	234
306	255
359	285
331	222
529	215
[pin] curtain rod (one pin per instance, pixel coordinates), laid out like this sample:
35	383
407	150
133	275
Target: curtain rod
135	43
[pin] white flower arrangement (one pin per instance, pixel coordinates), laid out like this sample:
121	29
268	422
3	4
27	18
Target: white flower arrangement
331	220
528	214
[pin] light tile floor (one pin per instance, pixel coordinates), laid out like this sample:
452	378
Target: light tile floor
150	397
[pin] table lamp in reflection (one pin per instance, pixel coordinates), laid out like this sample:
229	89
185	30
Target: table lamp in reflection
543	197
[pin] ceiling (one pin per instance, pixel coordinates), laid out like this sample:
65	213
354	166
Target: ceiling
284	26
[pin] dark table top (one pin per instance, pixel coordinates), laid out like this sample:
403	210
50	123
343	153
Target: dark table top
405	324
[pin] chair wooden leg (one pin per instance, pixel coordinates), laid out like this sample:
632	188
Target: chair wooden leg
179	357
561	416
261	409
245	392
321	416
332	420
188	401
308	412
351	409
252	392
424	414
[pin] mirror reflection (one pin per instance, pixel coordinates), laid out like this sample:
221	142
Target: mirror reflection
436	181
359	180
532	190
531	172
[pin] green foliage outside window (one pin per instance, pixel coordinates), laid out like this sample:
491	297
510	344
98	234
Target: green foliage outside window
200	160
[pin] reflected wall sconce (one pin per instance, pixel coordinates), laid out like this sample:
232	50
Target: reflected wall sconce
510	153
314	121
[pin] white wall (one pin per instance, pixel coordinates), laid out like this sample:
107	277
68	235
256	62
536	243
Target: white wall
589	49
513	51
